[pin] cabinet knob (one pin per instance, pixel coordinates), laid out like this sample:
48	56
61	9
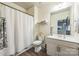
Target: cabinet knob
58	49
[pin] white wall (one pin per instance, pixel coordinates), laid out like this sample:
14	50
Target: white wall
36	27
42	12
76	18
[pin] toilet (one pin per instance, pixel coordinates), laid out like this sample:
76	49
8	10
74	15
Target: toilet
37	44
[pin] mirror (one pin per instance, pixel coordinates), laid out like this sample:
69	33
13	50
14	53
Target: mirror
60	22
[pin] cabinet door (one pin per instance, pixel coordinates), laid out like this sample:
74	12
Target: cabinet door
68	48
51	47
68	51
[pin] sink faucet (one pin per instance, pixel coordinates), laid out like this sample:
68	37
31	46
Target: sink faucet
64	29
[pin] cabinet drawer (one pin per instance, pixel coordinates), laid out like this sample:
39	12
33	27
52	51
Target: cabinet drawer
51	41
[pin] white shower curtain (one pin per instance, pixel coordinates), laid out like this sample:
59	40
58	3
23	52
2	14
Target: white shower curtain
9	15
24	31
19	29
28	30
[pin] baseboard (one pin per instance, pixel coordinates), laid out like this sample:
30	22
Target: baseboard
12	55
23	51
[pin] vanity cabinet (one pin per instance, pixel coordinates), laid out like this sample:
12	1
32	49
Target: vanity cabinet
61	48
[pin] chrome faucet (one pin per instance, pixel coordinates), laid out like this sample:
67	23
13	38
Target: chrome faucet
64	29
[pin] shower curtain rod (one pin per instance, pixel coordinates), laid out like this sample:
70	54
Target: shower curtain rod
15	8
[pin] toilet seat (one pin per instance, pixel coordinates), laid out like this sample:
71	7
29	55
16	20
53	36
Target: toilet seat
37	42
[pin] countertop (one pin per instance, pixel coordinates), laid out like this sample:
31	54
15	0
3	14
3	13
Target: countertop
73	39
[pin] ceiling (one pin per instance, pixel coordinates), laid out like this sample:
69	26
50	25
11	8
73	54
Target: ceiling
25	5
28	5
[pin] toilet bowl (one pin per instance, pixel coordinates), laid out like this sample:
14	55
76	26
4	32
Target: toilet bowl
37	45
